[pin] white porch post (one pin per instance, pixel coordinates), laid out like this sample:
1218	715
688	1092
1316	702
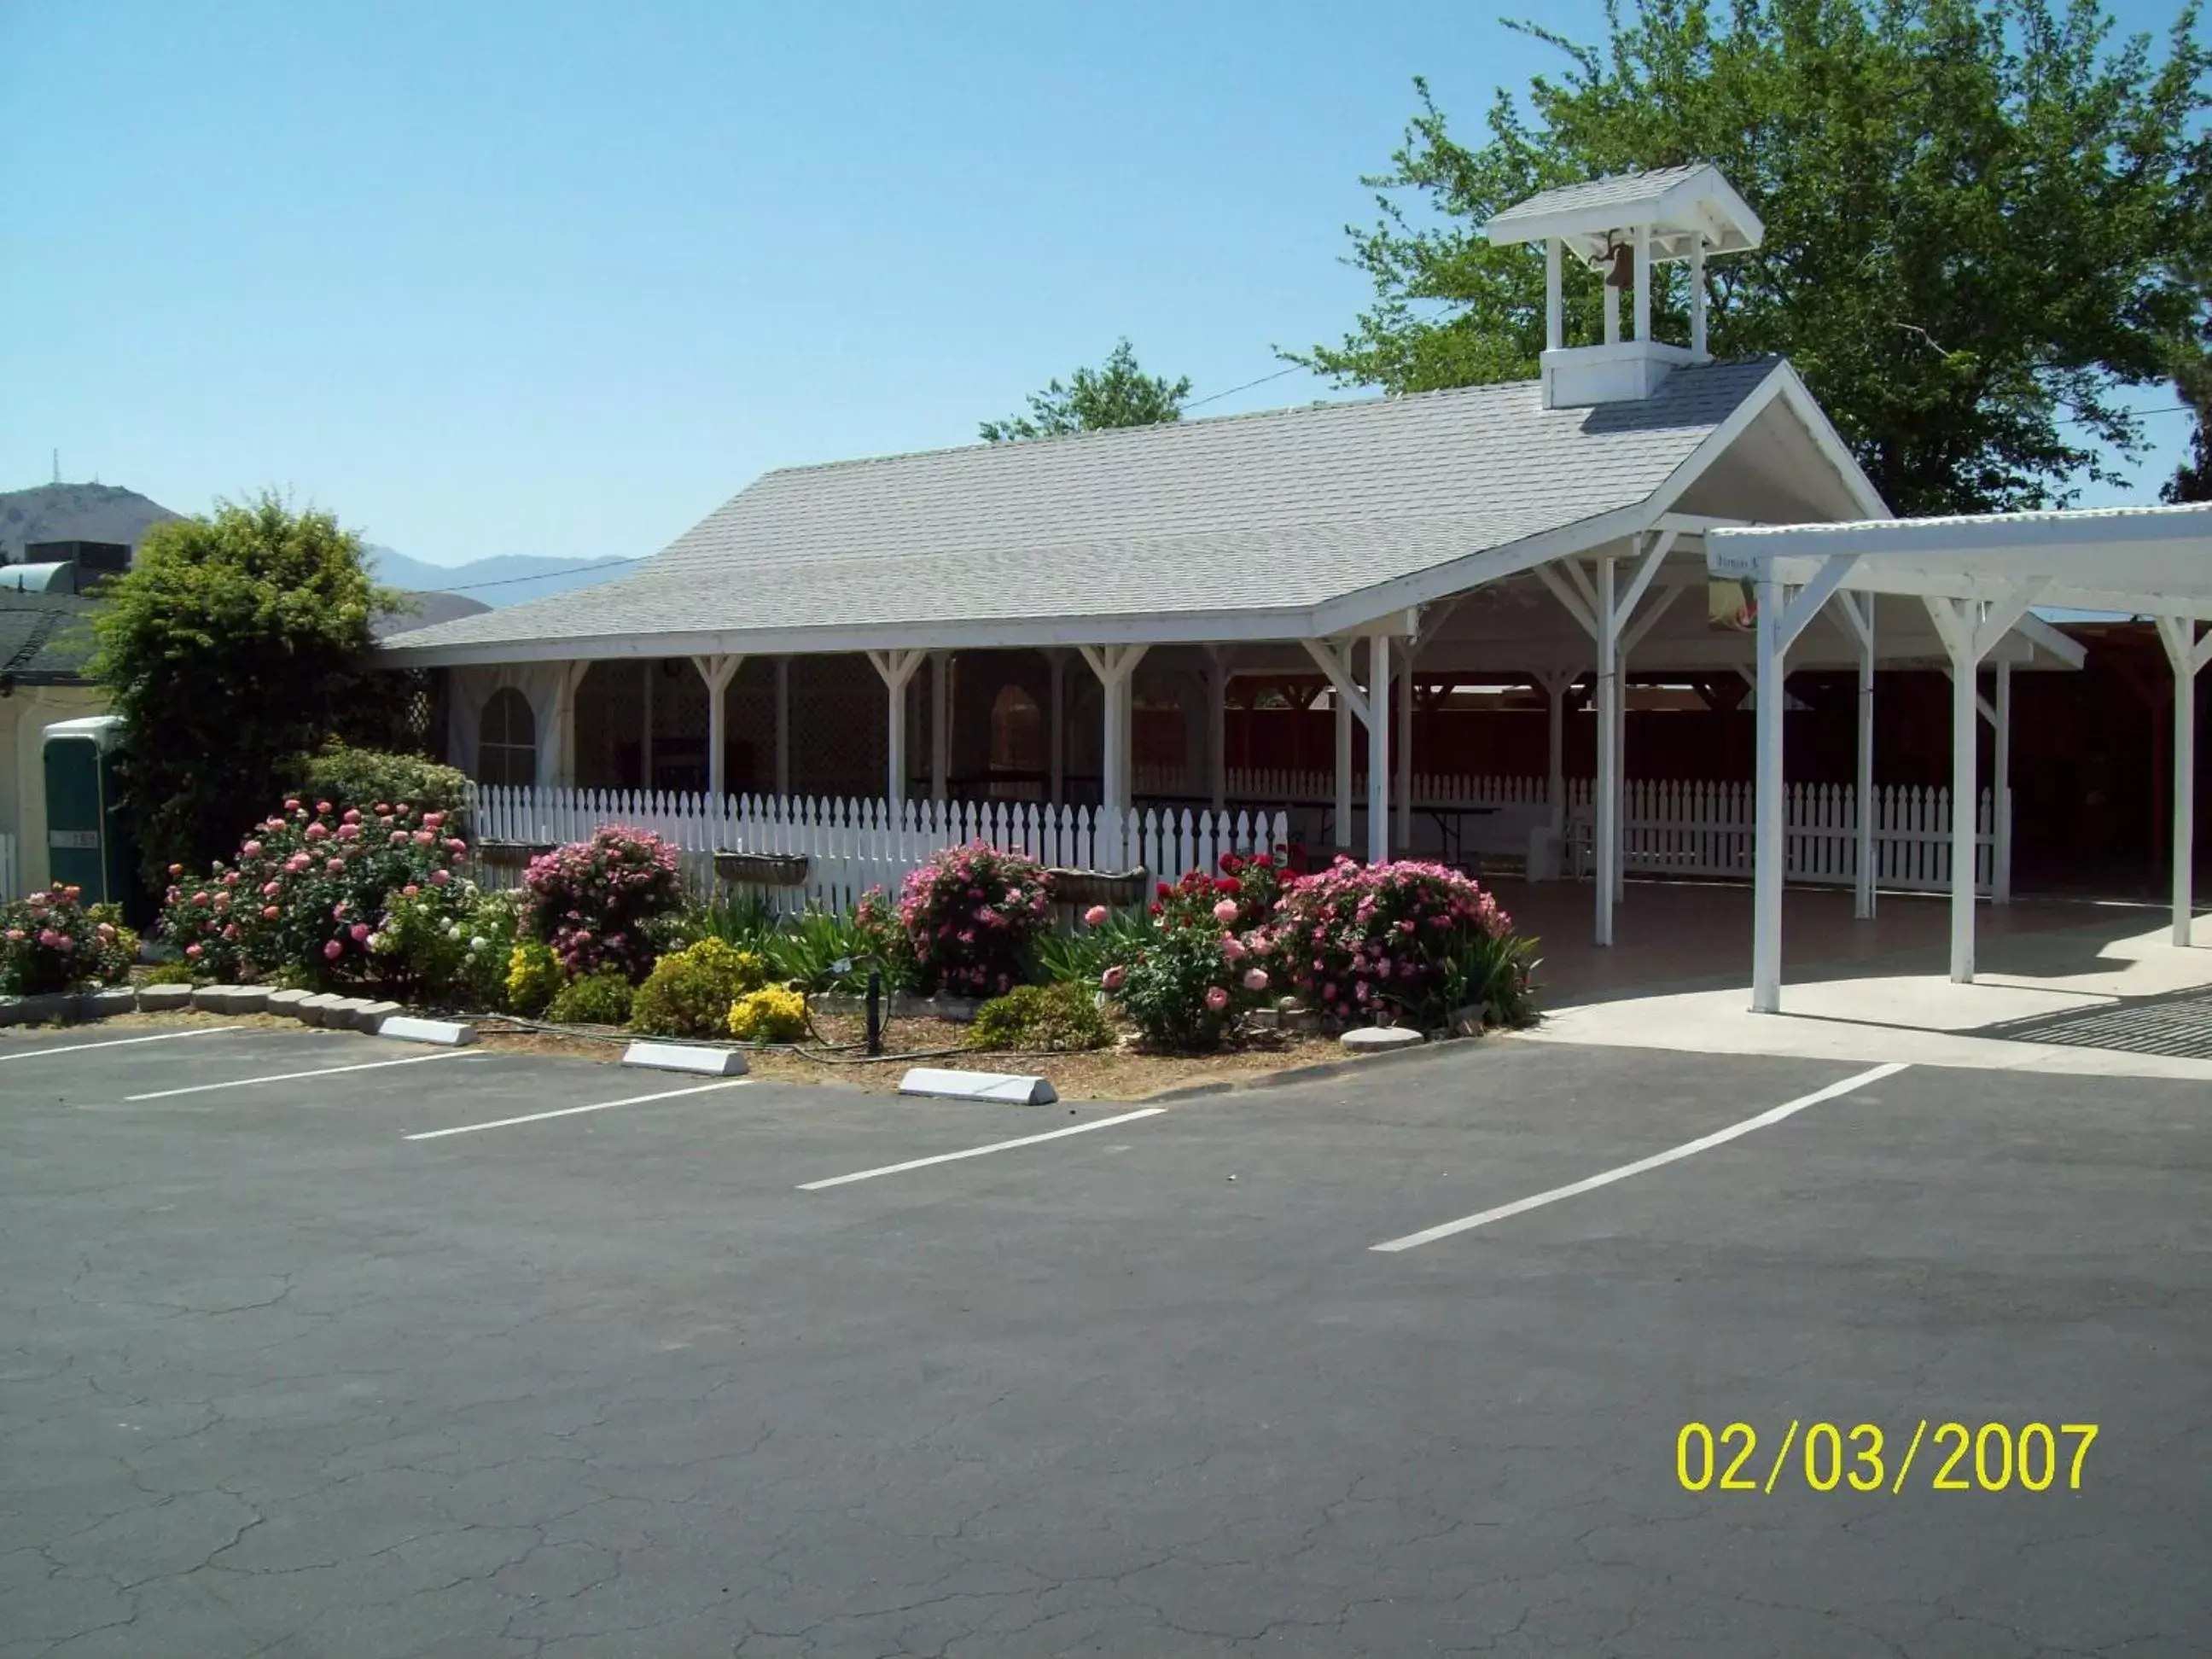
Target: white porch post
645	733
1644	282
1766	823
1217	725
940	712
898	669
1405	751
1056	741
1608	757
1343	763
1862	870
1554	328
1378	748
2000	792
1621	772
1969	630
1114	666
1698	295
718	673
558	768
783	726
1555	686
2187	655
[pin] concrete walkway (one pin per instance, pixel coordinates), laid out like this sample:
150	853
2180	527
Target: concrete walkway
2067	988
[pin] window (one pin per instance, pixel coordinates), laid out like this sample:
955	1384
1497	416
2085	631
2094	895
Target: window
506	740
1017	732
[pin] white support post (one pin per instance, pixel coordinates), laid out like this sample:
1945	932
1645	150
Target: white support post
1965	732
718	673
649	667
1554	308
1378	748
1621	771
1608	757
782	726
1404	753
1555	687
1056	741
2001	792
1343	765
940	721
898	668
1863	883
1698	295
1766	871
2187	655
1217	725
1116	665
1612	313
557	761
1643	283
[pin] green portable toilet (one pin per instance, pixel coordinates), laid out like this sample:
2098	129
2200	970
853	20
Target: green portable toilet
86	845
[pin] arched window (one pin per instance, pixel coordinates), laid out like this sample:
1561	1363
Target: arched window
1017	732
506	739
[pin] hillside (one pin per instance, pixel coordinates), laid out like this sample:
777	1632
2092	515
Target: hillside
75	513
503	578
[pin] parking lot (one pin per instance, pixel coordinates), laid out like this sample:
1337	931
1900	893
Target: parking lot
311	1344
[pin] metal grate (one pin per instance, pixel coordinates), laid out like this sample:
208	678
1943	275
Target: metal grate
2179	1026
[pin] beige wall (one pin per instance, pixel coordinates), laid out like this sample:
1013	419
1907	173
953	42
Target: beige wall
24	715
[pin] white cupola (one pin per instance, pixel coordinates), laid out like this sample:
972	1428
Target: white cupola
1624	225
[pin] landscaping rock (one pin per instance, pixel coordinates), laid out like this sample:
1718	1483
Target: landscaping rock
371	1016
111	999
1380	1039
315	1010
31	1010
344	1013
1263	1020
1466	1022
247	999
1302	1020
164	999
212	998
287	1002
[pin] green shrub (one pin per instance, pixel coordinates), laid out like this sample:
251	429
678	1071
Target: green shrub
1041	1017
346	776
970	915
689	993
601	902
600	998
1080	957
738	916
775	1013
1177	989
1492	972
50	941
805	949
171	972
533	977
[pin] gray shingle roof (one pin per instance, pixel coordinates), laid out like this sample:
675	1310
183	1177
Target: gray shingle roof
1282	511
46	639
1615	190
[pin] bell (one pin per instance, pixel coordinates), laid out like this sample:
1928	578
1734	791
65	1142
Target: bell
1623	274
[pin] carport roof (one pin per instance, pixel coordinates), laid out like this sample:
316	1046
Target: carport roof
2152	561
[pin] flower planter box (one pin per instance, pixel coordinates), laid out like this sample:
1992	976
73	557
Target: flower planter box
1089	887
511	854
762	869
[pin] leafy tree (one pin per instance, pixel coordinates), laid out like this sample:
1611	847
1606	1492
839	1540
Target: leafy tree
234	647
1117	394
2192	378
1977	220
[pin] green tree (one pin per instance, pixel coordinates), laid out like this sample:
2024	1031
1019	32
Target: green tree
1117	394
234	647
1977	220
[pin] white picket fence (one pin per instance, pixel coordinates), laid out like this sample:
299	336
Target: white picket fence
1706	829
851	845
1318	789
11	878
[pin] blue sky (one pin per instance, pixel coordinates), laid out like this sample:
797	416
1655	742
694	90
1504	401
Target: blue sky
560	278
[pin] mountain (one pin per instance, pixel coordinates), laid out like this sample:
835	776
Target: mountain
503	578
75	513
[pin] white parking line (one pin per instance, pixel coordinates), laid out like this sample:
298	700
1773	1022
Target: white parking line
571	1111
118	1042
978	1151
292	1077
1673	1154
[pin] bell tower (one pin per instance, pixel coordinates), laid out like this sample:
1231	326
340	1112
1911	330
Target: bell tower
1626	225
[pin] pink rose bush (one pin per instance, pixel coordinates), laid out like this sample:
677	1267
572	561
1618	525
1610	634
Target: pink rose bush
1406	942
1185	981
303	897
595	903
970	915
51	941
